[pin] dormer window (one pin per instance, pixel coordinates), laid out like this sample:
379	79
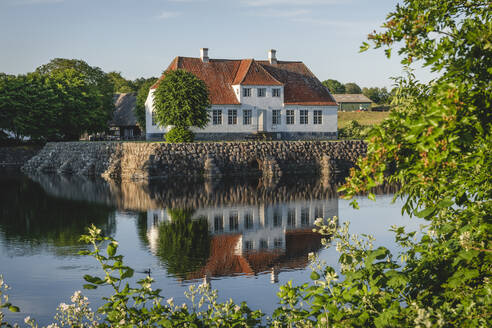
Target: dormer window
246	92
261	92
276	92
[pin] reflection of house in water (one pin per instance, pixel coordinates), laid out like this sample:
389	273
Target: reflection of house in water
249	239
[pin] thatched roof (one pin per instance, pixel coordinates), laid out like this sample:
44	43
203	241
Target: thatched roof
351	98
124	107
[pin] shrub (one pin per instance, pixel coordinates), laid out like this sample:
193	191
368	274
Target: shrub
179	134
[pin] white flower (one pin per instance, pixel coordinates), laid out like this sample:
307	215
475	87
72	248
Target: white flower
170	301
27	319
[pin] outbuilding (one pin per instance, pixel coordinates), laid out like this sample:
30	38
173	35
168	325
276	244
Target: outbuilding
352	102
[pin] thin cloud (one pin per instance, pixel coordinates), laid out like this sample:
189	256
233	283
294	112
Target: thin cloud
168	14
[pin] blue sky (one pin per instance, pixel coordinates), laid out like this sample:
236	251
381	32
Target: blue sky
141	37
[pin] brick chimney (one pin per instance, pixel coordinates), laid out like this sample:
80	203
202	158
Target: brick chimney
204	55
271	56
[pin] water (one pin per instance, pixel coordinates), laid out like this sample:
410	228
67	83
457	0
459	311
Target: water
248	236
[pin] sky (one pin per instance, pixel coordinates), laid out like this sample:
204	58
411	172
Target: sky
139	38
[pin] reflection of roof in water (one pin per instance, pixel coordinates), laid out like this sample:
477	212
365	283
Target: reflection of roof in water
223	260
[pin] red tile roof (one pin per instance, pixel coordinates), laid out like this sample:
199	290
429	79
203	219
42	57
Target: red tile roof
301	87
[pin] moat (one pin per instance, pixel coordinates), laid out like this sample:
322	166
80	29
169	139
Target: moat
247	236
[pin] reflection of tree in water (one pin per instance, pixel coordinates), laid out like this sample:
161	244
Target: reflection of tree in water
184	244
30	216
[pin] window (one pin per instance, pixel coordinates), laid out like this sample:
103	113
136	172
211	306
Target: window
290	116
156	219
232	116
277	243
153	118
276	120
263	244
217	117
247	117
246	92
275	92
248	221
318	212
218	223
261	92
317	117
233	221
277	218
304	216
303	116
248	245
291	217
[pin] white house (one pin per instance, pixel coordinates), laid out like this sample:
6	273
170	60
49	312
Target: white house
249	96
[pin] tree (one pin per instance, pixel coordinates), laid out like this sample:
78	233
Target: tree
142	94
181	100
120	84
334	86
377	95
28	106
352	88
437	145
94	77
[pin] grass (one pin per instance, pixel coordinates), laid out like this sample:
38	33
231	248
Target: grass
364	118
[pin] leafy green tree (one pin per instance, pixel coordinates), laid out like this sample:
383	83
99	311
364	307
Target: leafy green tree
120	84
138	82
334	86
377	95
181	100
352	88
142	94
436	144
94	77
28	106
79	107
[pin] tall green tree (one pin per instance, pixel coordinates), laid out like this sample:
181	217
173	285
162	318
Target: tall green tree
120	84
334	86
142	94
352	87
94	77
181	100
377	95
28	106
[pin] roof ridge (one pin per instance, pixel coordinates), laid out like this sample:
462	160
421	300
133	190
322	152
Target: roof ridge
238	79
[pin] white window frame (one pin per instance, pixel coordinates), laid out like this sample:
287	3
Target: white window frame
276	117
261	92
232	116
247	115
217	117
317	117
304	116
246	92
276	92
290	117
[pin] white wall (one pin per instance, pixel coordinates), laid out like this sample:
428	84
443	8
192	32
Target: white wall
257	105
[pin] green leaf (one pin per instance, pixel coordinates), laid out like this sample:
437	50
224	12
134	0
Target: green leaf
425	213
89	286
14	308
314	275
111	249
371	196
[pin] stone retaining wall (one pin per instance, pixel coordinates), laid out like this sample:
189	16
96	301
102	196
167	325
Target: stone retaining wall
16	156
142	160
